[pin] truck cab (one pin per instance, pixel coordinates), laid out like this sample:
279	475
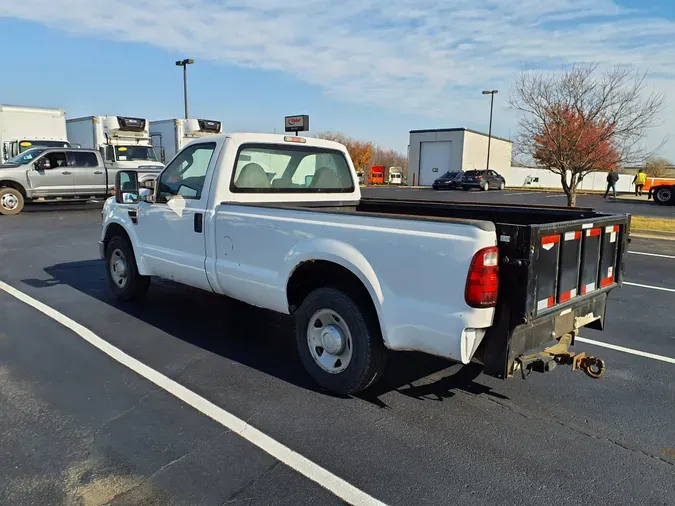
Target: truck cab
123	141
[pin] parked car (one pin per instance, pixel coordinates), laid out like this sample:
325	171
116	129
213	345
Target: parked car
504	286
451	180
483	180
54	173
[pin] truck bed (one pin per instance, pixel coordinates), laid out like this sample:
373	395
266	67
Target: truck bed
557	266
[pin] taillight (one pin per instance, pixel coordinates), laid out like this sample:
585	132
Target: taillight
482	283
479	177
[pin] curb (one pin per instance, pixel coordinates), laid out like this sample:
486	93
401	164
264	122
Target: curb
652	234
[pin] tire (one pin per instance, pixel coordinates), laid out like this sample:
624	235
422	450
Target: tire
363	357
11	201
664	196
485	187
502	185
127	285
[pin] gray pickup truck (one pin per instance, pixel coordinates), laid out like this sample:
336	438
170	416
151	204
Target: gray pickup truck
47	174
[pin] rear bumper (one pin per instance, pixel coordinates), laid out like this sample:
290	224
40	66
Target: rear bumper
500	352
472	185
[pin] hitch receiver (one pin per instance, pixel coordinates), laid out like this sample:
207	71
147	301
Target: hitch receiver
559	354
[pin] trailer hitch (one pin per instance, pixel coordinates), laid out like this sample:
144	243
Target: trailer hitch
559	354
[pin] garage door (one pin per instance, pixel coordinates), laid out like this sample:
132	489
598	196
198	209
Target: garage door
435	160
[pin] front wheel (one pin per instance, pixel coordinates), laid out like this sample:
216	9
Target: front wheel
502	186
122	272
11	201
339	342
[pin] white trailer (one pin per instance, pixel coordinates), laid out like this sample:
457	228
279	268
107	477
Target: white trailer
23	128
169	136
124	142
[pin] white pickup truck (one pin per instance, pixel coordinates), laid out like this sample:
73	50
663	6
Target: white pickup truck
279	222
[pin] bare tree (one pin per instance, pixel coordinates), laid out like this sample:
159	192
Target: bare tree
582	120
657	166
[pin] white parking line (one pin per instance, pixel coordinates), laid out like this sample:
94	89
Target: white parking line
650	254
302	465
660	288
626	350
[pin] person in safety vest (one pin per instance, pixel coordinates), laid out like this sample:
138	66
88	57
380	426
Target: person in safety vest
639	181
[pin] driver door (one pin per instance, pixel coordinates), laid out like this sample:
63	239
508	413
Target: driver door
56	181
172	227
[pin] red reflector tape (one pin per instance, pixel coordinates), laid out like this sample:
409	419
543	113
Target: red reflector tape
564	297
546	303
607	281
572	236
550	239
592	233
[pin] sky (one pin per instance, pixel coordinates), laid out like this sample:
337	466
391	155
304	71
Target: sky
373	70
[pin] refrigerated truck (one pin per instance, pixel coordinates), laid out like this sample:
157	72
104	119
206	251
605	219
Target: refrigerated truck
23	128
169	136
123	141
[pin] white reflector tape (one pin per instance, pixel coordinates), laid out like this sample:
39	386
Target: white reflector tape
545	303
587	225
609	229
587	288
610	272
612	237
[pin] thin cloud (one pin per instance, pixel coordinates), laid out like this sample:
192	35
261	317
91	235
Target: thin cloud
425	57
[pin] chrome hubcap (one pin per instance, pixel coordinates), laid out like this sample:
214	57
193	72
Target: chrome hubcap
118	268
329	341
9	202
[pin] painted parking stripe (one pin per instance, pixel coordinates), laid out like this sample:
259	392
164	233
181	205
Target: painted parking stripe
660	288
623	349
294	460
650	254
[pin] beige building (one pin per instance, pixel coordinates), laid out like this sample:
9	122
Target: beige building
431	153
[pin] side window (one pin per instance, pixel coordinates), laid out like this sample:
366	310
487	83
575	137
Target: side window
186	173
84	159
57	159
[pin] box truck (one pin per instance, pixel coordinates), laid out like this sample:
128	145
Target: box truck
23	128
169	136
123	141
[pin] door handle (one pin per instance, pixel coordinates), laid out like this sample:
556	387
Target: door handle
66	173
98	172
199	222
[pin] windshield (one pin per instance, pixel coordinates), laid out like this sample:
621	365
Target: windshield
26	156
25	145
129	153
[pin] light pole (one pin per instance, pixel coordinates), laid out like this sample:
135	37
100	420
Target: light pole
492	94
184	64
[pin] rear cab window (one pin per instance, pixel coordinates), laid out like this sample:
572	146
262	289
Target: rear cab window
270	168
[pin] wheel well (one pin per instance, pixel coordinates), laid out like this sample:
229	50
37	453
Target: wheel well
311	275
115	230
15	185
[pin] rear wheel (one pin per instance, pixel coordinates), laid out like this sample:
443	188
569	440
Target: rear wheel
11	201
122	272
486	186
664	196
339	341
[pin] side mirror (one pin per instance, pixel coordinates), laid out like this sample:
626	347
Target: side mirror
43	164
126	187
5	151
149	183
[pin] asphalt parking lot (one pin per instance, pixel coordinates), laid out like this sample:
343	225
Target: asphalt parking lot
79	427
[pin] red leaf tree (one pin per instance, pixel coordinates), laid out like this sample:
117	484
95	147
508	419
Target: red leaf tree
580	121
